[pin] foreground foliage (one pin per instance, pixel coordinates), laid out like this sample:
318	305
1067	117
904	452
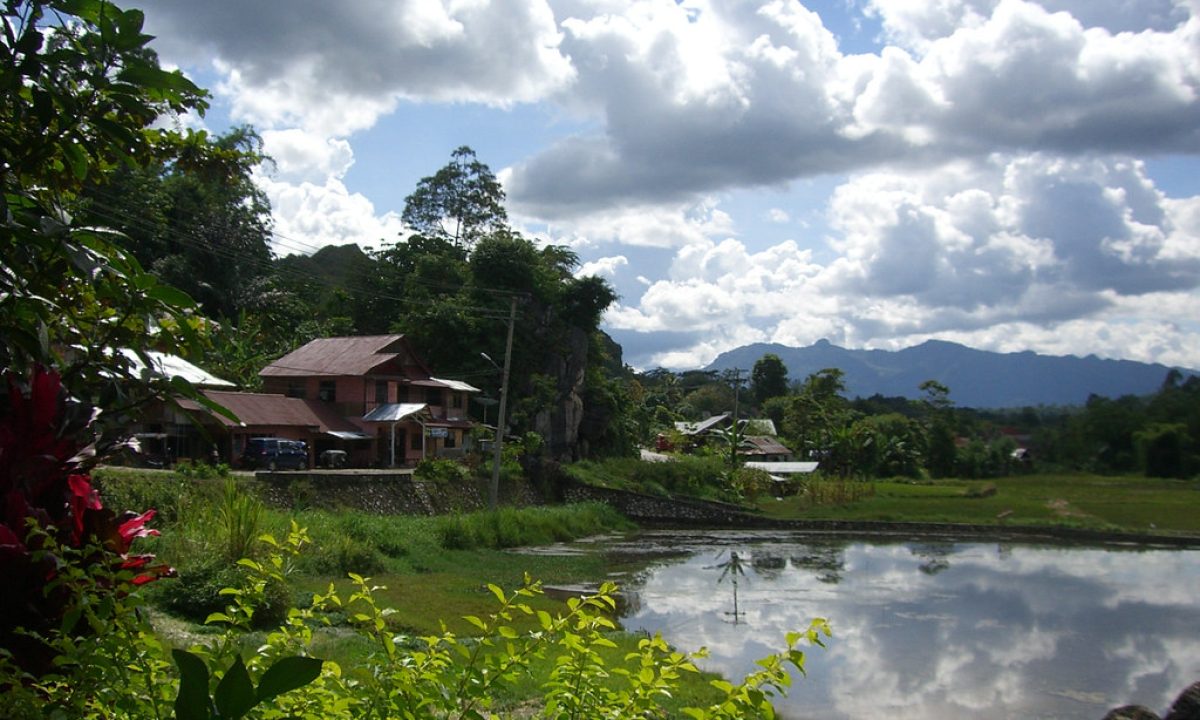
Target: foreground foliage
120	670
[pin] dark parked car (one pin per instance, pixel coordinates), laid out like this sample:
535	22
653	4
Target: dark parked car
275	454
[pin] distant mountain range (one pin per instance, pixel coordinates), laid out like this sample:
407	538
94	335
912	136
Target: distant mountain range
976	378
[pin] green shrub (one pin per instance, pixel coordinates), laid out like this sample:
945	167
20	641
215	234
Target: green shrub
440	472
200	470
196	593
170	495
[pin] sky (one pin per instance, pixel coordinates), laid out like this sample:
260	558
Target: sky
1008	174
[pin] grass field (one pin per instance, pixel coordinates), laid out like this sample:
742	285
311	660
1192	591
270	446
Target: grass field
1127	503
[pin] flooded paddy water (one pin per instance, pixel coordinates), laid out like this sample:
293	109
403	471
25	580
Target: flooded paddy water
931	629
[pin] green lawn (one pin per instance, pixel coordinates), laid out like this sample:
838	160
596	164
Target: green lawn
1133	504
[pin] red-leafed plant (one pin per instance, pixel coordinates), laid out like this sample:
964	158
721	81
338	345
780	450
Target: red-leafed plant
47	501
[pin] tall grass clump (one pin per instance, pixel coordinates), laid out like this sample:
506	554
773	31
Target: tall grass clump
817	491
514	527
239	521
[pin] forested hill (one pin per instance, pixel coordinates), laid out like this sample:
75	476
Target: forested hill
976	378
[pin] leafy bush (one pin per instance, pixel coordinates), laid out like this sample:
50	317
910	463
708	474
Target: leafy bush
124	671
440	472
200	470
752	482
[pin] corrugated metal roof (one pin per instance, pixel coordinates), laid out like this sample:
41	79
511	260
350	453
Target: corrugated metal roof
766	445
458	385
264	409
784	468
394	412
356	355
172	366
697	428
258	409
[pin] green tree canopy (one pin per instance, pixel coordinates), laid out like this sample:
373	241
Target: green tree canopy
81	95
201	226
769	378
460	203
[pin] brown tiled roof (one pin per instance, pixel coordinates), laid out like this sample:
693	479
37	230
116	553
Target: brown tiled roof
357	355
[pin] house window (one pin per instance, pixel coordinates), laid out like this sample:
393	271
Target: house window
327	391
433	396
401	393
296	389
451	439
416	440
456	400
381	392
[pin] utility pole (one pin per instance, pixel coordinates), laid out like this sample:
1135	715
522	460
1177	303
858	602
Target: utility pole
494	486
736	441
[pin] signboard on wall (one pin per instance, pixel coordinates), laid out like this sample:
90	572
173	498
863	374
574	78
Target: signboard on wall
439	432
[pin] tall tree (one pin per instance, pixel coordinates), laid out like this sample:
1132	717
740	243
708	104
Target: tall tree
203	226
460	203
939	427
768	378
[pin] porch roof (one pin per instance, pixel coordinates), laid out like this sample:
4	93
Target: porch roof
394	412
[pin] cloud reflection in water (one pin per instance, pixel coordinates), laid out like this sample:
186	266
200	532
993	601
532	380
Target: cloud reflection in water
944	630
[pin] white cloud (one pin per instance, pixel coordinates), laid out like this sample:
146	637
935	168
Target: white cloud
336	68
775	100
310	216
651	226
779	216
303	156
1032	252
606	266
916	24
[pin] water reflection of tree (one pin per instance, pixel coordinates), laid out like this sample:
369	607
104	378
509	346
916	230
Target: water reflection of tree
935	556
732	568
826	561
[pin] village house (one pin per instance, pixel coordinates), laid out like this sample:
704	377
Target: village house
371	400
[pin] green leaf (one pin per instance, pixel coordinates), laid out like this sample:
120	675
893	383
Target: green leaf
76	158
288	674
192	702
235	693
171	296
497	592
147	76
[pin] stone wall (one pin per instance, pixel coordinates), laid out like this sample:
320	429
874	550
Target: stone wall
383	492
